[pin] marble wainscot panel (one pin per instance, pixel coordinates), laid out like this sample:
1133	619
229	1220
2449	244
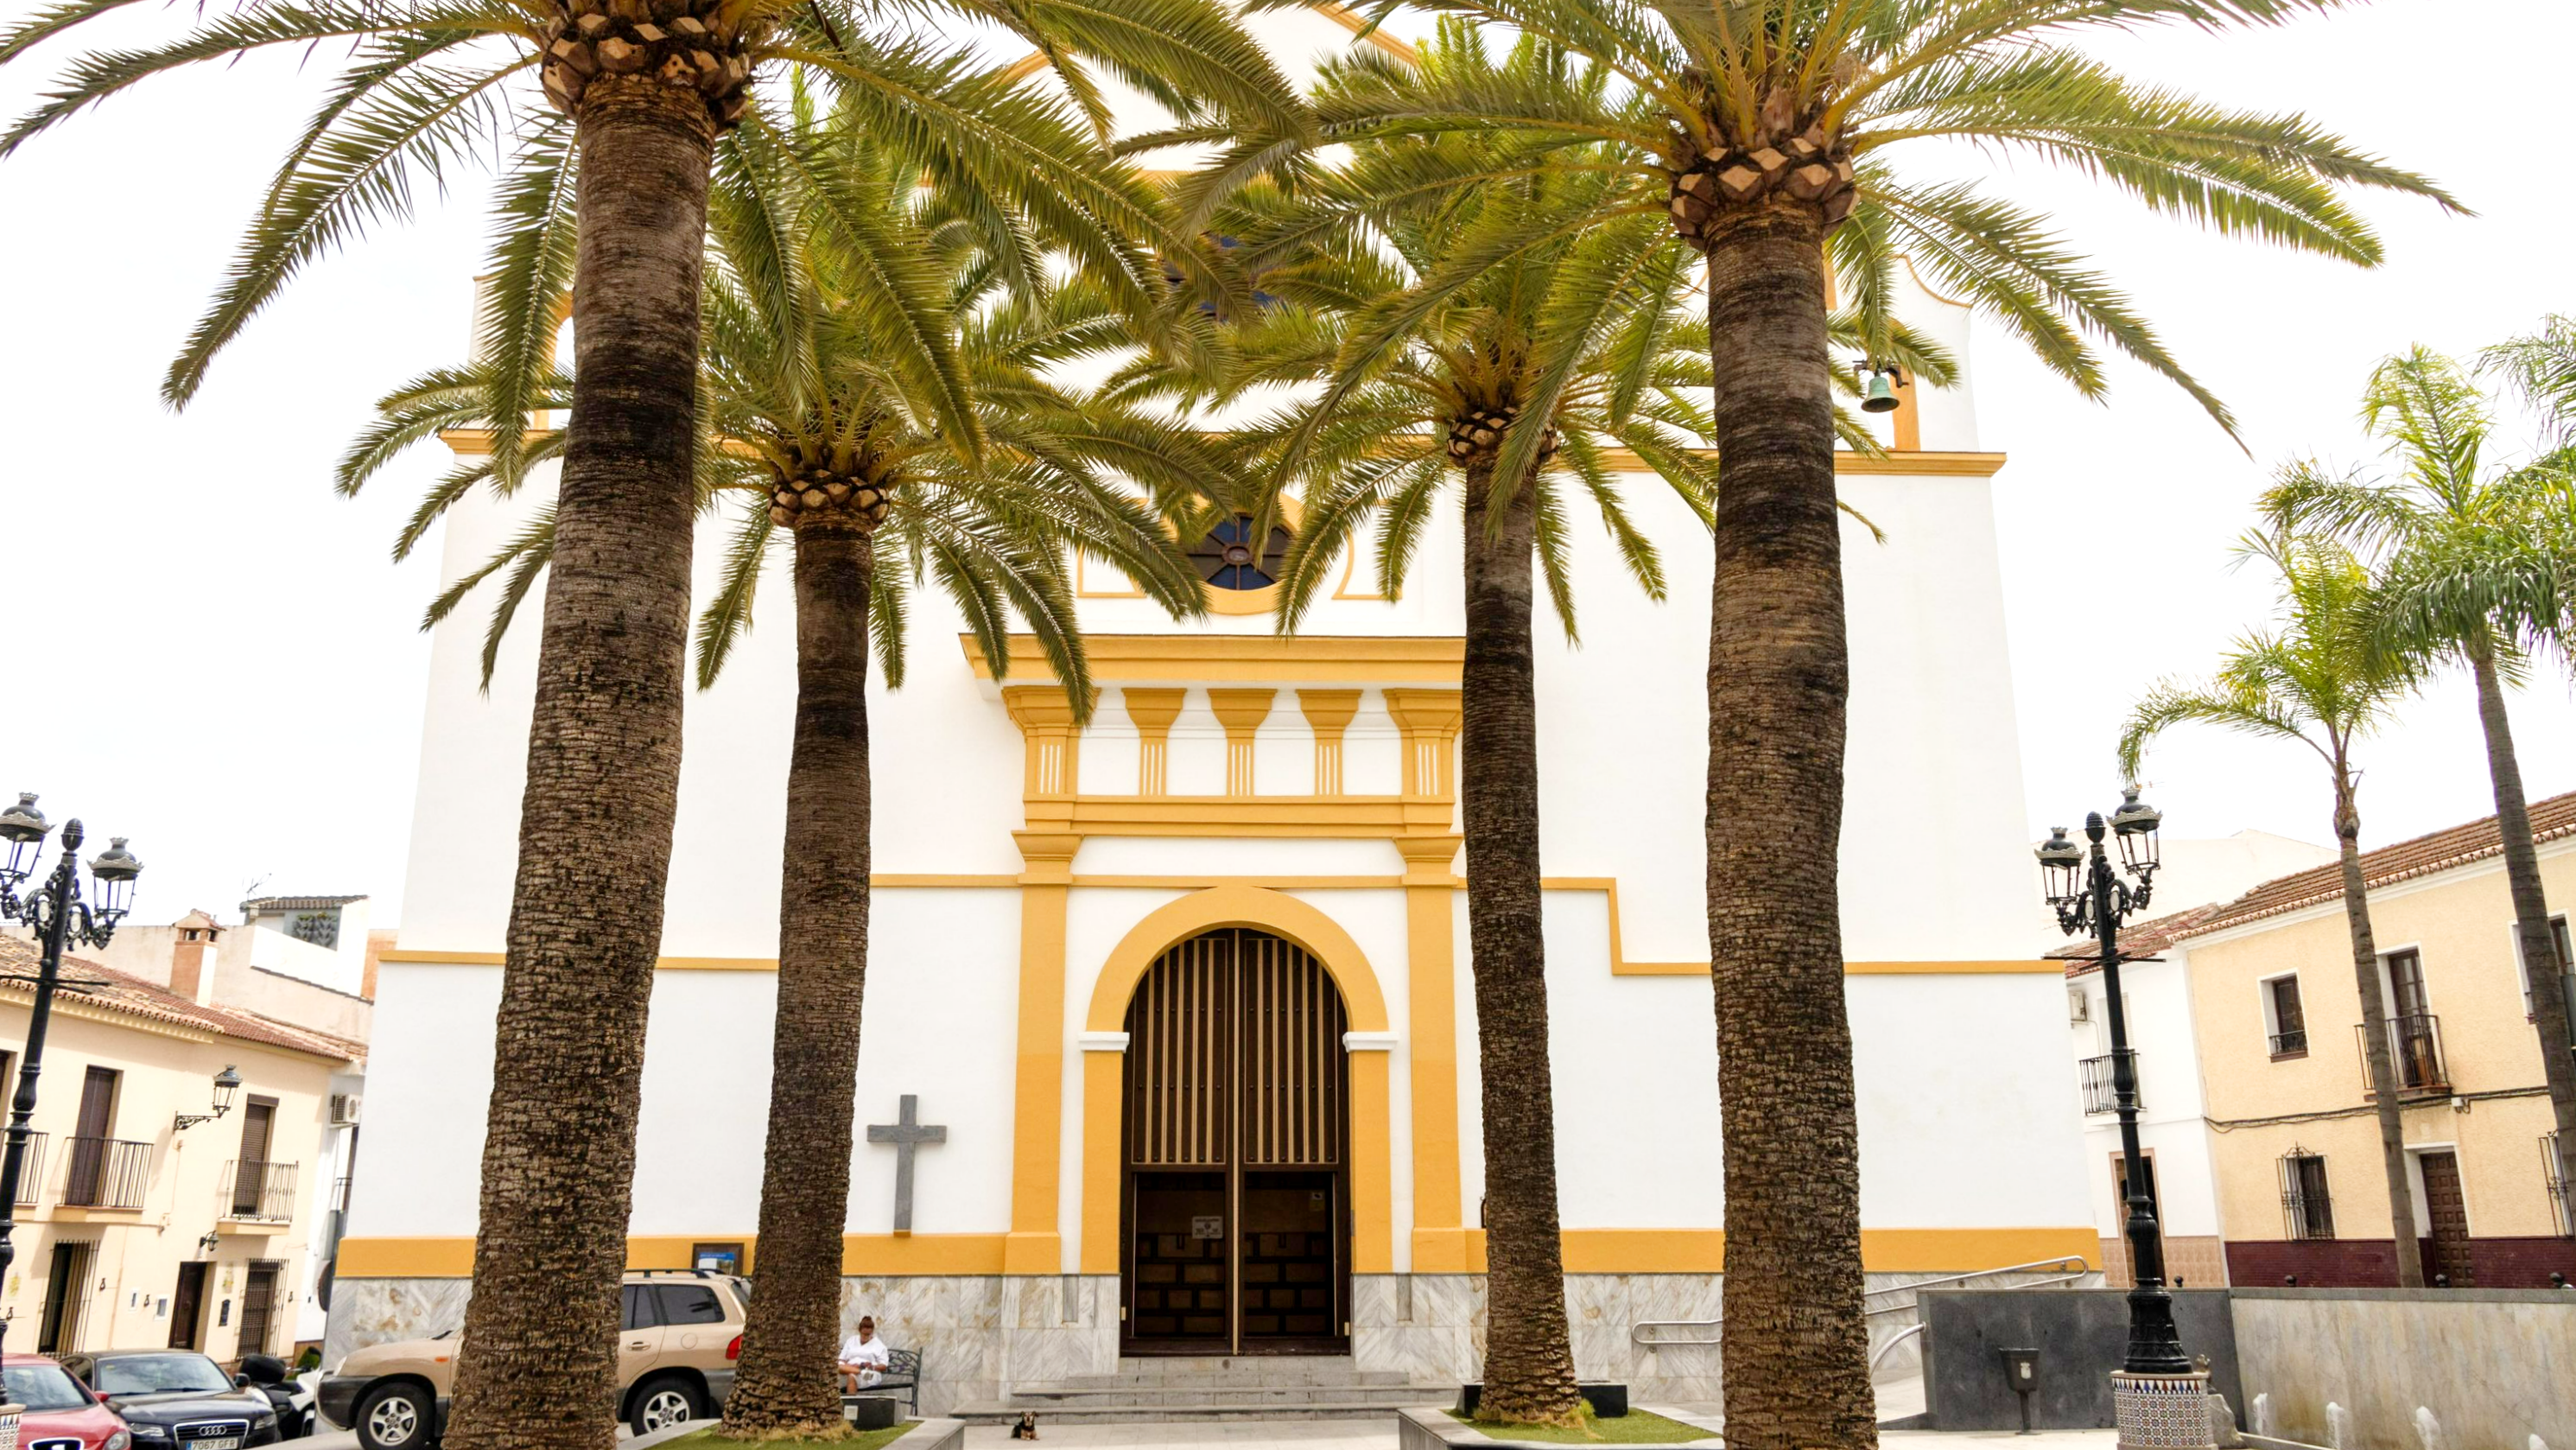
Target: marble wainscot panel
979	1335
379	1311
1431	1327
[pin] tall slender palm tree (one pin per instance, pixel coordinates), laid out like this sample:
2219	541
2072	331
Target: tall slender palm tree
1762	135
2474	571
2317	679
892	308
1425	390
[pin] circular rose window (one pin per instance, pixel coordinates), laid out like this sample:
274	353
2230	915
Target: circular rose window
1229	557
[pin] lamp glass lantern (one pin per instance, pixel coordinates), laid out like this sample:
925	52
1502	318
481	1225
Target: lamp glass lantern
227	1083
23	828
114	870
2061	866
2136	825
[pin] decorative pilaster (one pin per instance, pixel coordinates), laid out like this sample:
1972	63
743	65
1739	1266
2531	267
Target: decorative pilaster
1241	713
1153	711
1104	1063
1429	720
1328	713
1372	1194
1431	979
1036	1241
1053	741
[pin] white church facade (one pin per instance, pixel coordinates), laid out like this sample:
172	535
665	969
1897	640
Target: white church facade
1187	987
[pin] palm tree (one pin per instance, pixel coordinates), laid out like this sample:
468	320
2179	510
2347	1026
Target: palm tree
1026	176
1427	389
2475	568
2317	679
1760	134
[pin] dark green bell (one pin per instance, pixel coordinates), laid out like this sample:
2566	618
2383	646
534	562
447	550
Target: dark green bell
1878	397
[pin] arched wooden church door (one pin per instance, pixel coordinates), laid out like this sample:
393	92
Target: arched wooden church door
1236	1205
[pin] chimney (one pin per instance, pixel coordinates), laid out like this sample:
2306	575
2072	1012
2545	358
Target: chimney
192	971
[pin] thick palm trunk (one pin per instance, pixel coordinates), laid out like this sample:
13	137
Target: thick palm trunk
538	1366
2542	970
2374	1036
1529	1356
1796	1347
786	1380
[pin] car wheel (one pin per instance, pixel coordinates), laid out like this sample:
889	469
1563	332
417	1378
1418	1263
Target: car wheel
662	1403
396	1417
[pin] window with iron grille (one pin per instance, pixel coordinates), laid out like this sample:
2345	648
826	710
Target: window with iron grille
2307	1210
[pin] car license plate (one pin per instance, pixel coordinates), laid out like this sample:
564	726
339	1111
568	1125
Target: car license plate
228	1442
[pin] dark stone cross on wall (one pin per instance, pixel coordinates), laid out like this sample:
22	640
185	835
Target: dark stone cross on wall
907	1133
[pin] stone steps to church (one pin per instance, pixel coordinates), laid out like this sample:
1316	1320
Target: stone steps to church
1249	1373
1218	1396
1318	1408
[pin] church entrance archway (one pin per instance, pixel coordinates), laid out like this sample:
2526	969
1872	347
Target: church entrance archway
1235	1202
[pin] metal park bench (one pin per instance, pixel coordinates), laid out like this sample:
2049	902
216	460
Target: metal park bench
902	1372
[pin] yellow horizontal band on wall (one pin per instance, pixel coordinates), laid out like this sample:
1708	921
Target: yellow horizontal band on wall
1587	1251
861	1254
1619	966
1882	1250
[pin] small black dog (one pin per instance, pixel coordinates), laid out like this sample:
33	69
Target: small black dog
1027	1428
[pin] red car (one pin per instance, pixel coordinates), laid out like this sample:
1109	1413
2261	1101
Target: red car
61	1412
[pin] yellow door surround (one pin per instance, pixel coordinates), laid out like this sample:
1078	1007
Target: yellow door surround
1103	1041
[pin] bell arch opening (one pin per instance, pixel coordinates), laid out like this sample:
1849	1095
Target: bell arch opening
1235	1203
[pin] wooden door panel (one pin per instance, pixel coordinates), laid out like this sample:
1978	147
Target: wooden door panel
1236	1114
2449	1211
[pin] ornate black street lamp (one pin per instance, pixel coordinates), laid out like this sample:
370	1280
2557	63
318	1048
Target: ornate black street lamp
2090	896
56	913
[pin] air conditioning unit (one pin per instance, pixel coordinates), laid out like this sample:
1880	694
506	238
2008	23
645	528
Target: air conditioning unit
2079	1005
344	1109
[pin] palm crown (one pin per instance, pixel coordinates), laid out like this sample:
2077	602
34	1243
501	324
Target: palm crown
1420	381
1690	104
2314	678
430	85
849	315
2474	555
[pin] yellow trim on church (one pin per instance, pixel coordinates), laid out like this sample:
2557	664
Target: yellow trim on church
1587	1250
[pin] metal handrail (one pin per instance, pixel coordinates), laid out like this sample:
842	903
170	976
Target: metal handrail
1637	1332
1908	1332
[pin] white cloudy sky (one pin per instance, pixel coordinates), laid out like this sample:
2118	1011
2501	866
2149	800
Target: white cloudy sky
212	654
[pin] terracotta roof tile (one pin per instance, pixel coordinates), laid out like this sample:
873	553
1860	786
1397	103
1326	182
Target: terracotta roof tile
2443	850
103	986
2143	939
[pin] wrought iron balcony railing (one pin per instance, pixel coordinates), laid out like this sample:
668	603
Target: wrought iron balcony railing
2414	1050
2293	1043
260	1191
31	1174
2099	1096
106	1173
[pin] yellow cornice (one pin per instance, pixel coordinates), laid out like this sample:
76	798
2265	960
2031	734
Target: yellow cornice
1294	659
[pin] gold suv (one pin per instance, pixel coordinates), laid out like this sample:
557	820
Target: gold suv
682	1333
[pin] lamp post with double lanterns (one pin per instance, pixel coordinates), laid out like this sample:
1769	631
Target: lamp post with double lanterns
56	913
2158	1399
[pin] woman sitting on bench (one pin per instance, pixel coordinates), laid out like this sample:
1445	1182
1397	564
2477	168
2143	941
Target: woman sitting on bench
863	1357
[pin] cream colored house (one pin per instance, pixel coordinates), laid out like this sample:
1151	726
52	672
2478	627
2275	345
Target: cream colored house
2292	1132
153	1208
